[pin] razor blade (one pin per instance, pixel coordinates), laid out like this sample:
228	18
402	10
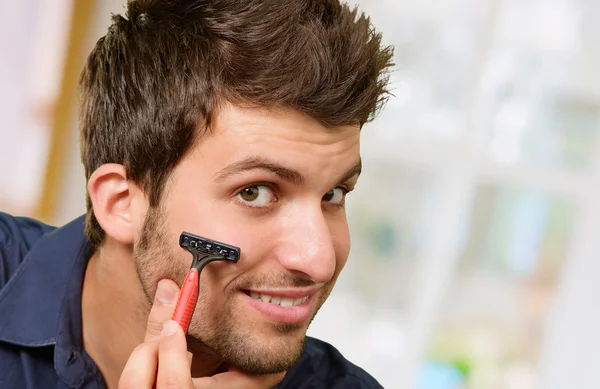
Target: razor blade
209	247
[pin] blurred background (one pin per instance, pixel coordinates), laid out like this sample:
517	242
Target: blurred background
476	226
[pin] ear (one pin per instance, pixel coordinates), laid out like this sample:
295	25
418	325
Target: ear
113	200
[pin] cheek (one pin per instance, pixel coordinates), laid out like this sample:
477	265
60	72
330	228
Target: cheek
250	235
254	246
159	258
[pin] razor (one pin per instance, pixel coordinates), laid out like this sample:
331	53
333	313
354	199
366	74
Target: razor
204	251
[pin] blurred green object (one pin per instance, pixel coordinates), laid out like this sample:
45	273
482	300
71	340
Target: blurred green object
382	236
464	366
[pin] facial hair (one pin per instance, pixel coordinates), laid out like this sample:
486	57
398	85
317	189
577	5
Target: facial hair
221	330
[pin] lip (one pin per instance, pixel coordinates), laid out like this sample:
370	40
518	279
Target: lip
291	315
291	293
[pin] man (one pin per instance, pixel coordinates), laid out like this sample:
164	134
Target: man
237	121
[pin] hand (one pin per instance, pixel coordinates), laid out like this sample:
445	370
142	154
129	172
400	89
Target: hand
163	361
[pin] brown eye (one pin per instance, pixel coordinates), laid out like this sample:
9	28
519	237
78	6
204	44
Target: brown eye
249	194
257	196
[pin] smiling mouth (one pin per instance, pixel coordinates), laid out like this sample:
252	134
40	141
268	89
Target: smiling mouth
277	300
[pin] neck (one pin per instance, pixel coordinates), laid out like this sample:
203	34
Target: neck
114	315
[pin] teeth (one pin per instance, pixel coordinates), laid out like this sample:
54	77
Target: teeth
282	301
265	298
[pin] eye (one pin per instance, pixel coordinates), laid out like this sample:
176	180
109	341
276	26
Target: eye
336	196
256	196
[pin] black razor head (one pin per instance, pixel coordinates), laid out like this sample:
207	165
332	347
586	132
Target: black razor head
209	246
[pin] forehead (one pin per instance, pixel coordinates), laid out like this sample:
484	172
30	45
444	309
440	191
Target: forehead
235	120
281	134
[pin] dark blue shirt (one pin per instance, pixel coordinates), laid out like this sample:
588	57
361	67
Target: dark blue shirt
41	346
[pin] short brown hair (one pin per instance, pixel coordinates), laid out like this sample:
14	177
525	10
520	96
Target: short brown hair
150	85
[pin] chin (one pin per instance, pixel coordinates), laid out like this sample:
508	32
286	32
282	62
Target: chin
255	352
270	358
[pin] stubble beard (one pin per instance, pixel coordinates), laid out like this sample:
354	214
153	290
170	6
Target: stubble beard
225	336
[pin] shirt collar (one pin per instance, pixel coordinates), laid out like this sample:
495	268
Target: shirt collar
41	304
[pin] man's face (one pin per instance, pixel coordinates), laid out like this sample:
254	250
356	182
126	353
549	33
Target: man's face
272	183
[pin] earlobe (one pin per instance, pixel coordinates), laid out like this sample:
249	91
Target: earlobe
111	197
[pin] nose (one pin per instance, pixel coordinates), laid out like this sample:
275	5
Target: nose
306	245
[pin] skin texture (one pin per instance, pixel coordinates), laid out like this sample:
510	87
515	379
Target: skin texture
271	182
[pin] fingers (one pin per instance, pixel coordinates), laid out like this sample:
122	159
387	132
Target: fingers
173	360
142	365
165	300
237	379
140	370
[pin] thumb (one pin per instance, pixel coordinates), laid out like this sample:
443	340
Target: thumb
165	300
173	360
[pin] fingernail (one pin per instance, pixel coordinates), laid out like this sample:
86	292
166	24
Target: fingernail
164	293
169	328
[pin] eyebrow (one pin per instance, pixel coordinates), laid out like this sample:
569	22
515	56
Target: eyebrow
260	163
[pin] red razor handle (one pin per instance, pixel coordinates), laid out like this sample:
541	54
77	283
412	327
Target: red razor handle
187	300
